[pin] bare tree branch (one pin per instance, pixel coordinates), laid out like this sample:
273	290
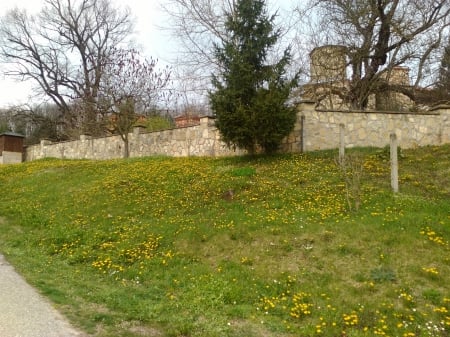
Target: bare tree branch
198	26
379	35
131	85
63	49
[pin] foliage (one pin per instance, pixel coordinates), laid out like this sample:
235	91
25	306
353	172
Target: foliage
250	95
150	247
158	123
383	274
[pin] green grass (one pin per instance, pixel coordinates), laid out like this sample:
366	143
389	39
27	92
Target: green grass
261	246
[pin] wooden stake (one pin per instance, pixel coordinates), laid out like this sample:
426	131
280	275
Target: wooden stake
341	143
394	163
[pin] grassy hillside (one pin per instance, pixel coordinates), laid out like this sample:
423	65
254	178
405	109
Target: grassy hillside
236	246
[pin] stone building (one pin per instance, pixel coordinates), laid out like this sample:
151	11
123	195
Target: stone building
328	77
328	80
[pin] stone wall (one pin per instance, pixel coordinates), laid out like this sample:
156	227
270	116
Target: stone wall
198	140
321	129
314	130
9	157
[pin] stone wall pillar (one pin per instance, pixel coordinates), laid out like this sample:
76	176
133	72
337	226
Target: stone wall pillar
444	111
305	113
134	145
305	107
205	121
137	130
445	123
43	152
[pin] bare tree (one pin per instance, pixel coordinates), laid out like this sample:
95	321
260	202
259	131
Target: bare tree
63	49
379	35
35	122
198	25
132	86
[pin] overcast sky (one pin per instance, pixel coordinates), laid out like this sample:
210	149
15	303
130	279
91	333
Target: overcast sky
149	37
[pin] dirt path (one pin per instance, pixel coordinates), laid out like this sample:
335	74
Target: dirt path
25	313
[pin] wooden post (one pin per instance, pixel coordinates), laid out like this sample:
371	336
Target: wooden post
341	143
394	163
302	134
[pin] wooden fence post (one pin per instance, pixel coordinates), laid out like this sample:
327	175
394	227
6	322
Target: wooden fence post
394	163
341	143
302	134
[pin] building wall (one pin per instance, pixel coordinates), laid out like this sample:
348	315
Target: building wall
186	120
328	64
314	130
8	157
11	142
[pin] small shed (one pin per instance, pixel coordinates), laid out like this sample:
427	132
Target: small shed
11	148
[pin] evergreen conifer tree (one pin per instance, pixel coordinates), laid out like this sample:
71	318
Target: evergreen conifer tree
249	100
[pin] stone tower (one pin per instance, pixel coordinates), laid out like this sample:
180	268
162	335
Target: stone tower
328	64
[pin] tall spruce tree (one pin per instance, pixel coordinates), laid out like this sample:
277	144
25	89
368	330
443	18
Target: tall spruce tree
249	100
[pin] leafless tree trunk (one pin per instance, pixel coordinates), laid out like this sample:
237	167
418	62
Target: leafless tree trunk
131	85
378	36
63	49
